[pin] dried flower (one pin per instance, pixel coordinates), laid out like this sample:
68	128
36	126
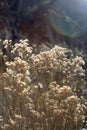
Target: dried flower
41	91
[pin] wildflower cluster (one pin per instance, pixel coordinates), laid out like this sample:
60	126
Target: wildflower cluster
56	66
41	91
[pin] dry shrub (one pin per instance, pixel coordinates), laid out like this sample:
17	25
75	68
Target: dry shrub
41	91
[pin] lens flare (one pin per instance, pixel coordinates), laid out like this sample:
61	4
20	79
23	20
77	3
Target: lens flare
69	17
